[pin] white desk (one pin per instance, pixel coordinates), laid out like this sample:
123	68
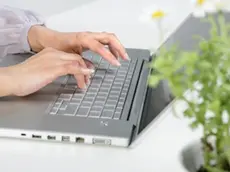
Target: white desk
158	152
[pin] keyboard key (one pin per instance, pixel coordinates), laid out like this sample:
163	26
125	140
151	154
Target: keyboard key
113	98
101	99
96	108
93	85
88	99
109	77
118	109
92	90
59	101
102	94
117	115
64	105
109	107
123	95
70	87
75	101
86	104
78	96
113	67
104	66
92	95
99	103
114	93
106	85
120	104
71	109
111	102
83	111
94	114
117	89
104	90
107	114
54	111
118	85
96	81
57	104
100	73
66	97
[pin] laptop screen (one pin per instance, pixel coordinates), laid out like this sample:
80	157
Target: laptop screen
156	100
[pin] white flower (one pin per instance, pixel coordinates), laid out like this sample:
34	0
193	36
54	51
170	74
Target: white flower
222	5
201	7
152	13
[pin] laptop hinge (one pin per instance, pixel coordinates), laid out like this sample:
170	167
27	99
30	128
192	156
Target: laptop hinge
140	94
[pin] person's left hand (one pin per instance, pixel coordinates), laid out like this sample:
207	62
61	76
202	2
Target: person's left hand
40	37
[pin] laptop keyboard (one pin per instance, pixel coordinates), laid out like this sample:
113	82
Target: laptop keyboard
104	97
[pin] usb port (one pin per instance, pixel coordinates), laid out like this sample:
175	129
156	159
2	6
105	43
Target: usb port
101	141
36	136
51	137
65	138
80	140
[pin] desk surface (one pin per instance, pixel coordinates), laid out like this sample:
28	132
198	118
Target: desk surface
159	150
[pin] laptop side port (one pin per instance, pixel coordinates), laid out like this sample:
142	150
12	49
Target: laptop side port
51	137
80	140
23	134
101	141
36	136
65	138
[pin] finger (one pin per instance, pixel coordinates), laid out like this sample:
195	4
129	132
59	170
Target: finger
113	42
81	81
114	52
73	68
97	47
71	57
89	64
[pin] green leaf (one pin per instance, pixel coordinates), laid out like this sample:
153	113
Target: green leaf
188	113
226	87
215	106
194	124
205	65
154	80
214	169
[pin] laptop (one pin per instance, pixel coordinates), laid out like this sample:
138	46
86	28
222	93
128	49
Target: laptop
116	109
108	112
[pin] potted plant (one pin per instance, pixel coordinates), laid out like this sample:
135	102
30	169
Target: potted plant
201	79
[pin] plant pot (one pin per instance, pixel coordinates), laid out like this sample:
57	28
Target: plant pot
192	157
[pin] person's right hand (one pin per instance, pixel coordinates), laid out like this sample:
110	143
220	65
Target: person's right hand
43	68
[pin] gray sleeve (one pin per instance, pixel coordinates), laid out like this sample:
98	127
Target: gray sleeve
14	26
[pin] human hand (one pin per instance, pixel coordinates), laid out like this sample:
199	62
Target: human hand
41	37
43	68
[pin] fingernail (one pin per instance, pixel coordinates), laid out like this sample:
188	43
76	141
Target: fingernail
90	71
117	63
127	57
88	81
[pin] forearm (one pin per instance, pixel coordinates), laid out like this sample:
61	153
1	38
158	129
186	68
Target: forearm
40	37
5	83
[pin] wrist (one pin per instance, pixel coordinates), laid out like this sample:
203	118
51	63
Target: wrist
5	82
40	37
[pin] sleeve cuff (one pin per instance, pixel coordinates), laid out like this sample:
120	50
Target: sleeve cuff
24	36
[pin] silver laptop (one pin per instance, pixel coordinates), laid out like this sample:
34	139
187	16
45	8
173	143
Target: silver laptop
108	112
114	110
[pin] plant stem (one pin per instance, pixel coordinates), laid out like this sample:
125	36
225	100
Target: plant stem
223	28
161	32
